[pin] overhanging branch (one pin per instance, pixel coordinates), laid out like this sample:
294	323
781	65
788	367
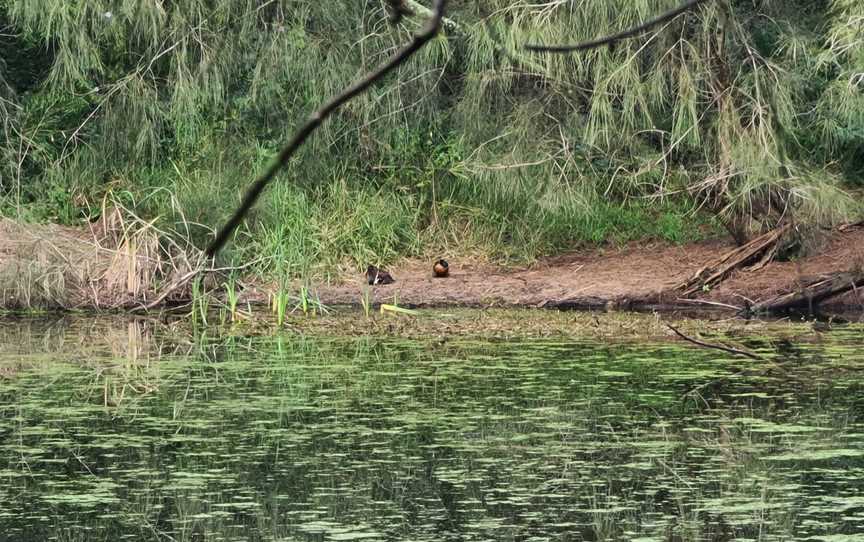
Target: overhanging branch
629	33
314	121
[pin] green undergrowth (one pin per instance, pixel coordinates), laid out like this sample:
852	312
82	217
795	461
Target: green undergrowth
316	231
300	232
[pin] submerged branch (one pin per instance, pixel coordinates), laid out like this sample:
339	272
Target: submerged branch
703	344
425	35
607	40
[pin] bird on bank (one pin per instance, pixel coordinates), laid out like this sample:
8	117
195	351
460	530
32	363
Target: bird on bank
378	276
441	268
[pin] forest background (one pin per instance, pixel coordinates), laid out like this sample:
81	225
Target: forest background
728	120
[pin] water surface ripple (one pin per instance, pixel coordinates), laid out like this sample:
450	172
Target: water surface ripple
117	433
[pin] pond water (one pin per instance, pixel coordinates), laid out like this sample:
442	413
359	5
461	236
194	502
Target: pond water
133	430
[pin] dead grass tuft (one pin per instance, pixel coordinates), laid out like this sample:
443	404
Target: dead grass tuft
120	261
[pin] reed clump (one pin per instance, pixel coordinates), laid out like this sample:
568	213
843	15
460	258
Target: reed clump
118	262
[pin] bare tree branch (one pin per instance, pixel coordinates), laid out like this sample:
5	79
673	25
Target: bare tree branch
629	33
314	121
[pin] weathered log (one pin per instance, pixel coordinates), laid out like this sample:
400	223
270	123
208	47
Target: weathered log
851	226
813	292
762	247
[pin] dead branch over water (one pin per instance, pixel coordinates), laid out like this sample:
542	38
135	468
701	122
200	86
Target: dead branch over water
431	29
314	121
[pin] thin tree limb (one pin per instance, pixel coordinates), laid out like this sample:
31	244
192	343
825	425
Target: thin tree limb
712	303
728	349
629	33
314	121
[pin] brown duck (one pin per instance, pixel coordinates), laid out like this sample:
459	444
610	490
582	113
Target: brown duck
441	268
378	276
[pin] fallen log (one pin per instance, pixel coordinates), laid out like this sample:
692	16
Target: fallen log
762	247
851	226
812	292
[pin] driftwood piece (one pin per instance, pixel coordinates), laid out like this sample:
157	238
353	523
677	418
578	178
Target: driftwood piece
813	292
761	247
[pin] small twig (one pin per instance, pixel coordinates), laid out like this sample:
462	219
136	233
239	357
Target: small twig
728	349
747	301
629	33
314	121
171	289
184	279
78	457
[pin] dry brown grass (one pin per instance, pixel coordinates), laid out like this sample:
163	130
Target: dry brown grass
120	261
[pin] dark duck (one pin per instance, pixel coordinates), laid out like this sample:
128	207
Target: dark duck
378	276
441	268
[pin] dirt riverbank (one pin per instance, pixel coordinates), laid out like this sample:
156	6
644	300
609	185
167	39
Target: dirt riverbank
636	276
112	266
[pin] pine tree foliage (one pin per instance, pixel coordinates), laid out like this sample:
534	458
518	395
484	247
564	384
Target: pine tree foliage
751	111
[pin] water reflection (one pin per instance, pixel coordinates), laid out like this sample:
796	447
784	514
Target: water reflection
134	430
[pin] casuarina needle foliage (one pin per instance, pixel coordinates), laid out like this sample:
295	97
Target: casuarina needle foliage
731	117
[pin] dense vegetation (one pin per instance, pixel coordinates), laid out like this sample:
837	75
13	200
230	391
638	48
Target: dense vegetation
737	115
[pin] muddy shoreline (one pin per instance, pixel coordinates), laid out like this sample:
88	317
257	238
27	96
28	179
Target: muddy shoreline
97	269
636	277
